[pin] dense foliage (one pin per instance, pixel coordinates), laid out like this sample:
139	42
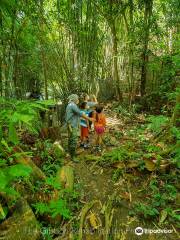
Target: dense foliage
126	52
57	47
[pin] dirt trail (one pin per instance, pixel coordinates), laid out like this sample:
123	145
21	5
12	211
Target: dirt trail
97	184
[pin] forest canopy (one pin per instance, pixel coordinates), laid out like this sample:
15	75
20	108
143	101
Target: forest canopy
116	48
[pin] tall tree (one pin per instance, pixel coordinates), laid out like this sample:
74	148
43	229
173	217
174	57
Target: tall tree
148	4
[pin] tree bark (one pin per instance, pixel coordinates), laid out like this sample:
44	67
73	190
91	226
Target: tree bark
175	119
147	16
1	58
42	42
115	61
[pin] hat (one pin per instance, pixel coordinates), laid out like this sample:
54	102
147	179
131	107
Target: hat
73	98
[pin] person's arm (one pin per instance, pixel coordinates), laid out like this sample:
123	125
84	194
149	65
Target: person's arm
76	110
81	114
92	104
87	118
95	99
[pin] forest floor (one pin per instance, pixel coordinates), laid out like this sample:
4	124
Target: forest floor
116	184
131	183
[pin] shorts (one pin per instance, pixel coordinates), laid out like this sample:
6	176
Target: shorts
84	132
99	130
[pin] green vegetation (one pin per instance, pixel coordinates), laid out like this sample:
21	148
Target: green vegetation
127	54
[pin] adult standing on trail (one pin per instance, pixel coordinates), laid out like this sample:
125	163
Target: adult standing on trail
73	114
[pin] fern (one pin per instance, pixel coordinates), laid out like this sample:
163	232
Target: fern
176	132
157	122
17	114
9	174
53	182
41	208
54	208
120	154
59	207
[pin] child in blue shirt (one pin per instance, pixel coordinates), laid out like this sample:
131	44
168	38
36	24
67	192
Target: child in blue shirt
84	125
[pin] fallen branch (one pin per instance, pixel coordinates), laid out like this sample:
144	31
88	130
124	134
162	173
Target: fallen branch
84	212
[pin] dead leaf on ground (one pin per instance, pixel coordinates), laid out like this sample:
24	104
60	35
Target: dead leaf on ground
150	165
125	195
95	221
120	165
161	145
163	216
132	164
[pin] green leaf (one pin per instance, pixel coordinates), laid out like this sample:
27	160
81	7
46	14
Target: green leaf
52	182
11	192
59	207
49	102
157	122
2	162
2	212
1	133
13	137
5	144
19	170
4	181
20	117
41	208
176	132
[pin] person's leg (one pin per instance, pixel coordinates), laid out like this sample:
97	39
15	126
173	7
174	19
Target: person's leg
86	135
90	123
100	140
82	137
72	142
96	140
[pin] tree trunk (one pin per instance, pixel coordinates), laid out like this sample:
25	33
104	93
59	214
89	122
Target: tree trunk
147	16
115	61
131	54
42	42
1	58
175	120
17	85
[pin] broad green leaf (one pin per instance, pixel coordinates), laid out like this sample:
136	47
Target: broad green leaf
47	102
20	117
13	137
19	170
4	181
